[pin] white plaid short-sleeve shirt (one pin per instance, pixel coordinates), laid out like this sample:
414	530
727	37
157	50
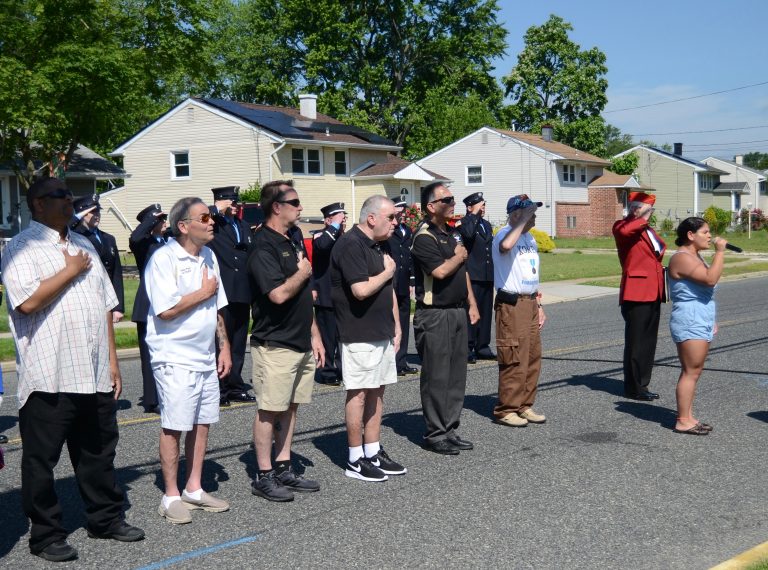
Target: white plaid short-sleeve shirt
63	347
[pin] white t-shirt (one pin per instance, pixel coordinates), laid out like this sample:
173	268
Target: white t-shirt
516	271
188	340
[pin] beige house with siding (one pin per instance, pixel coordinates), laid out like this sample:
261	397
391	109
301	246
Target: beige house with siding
204	143
501	163
750	183
682	187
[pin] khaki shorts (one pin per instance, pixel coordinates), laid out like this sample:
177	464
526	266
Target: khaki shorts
282	377
368	365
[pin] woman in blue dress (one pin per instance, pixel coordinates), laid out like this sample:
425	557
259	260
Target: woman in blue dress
692	323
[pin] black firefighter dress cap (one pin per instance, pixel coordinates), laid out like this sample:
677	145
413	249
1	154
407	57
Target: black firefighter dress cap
86	204
473	199
155	210
399	201
332	209
226	193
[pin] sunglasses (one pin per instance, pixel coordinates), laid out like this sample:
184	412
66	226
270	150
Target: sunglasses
390	217
447	200
59	194
204	218
295	202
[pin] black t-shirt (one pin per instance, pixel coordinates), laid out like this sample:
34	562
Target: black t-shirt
432	246
354	259
273	260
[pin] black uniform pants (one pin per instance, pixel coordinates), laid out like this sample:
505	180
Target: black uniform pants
149	397
441	340
88	425
236	319
479	334
404	308
640	332
326	322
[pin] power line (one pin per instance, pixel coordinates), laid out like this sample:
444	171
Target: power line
699	132
733	143
687	98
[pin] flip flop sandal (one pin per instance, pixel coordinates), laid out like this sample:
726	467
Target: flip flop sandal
704	426
698	429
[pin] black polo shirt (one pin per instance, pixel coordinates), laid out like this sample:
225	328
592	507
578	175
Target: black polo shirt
354	259
273	260
432	246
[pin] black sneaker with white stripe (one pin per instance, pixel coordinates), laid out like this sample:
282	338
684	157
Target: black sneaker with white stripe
384	462
363	469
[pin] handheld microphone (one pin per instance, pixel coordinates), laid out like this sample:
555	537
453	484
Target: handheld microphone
733	248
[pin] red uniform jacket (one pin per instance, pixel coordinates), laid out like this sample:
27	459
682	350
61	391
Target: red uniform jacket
642	274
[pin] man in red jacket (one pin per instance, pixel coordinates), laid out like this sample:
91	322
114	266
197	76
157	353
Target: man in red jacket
642	291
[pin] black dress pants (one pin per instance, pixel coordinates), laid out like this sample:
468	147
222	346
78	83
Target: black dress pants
236	319
326	322
441	339
479	334
149	397
88	425
641	330
404	308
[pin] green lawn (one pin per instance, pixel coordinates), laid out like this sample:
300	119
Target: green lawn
563	266
758	243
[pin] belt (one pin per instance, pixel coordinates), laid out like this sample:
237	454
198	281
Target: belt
508	298
461	305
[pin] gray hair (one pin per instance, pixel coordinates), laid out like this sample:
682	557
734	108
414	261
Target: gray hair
633	207
372	205
180	212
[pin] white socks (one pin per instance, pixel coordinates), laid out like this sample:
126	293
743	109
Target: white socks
371	449
168	500
355	453
196	495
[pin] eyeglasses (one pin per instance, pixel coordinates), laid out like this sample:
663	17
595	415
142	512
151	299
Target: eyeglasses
390	217
59	194
295	202
204	219
447	200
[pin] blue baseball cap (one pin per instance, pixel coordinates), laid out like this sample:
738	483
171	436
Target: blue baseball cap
521	201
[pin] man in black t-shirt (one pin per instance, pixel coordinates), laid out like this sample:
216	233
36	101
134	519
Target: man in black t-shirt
443	292
285	342
369	333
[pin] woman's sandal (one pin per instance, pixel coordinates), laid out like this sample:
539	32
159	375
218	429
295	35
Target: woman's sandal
698	429
706	426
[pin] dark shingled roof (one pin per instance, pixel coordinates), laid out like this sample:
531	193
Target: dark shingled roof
740	187
85	163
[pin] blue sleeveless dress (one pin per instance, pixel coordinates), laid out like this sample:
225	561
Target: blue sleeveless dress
693	310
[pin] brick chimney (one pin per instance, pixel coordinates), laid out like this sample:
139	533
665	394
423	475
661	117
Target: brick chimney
740	159
308	105
546	132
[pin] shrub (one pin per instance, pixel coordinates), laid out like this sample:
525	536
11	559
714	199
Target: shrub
717	218
667	225
543	241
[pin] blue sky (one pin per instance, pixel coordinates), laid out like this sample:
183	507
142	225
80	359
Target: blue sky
662	50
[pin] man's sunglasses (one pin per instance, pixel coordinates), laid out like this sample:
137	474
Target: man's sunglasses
204	218
295	202
59	194
447	200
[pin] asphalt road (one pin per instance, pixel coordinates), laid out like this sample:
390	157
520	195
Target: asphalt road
605	483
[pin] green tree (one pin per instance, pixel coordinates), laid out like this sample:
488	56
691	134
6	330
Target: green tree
616	141
626	164
371	63
757	160
557	82
89	71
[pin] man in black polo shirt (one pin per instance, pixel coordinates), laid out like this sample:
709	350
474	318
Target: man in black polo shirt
443	292
285	342
369	332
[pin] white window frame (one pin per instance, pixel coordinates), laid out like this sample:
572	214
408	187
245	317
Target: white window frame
5	198
174	165
305	160
570	222
467	175
583	174
569	174
336	162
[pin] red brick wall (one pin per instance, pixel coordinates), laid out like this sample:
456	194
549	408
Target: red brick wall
596	218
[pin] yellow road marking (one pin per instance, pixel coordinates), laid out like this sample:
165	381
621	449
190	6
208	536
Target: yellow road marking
746	559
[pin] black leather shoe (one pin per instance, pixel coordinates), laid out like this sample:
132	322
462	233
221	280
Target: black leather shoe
152	409
471	357
459	443
407	370
443	447
121	531
242	397
653	395
486	354
3	438
645	397
57	552
225	402
330	381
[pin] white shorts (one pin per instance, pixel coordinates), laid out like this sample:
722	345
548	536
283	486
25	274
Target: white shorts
367	365
186	397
